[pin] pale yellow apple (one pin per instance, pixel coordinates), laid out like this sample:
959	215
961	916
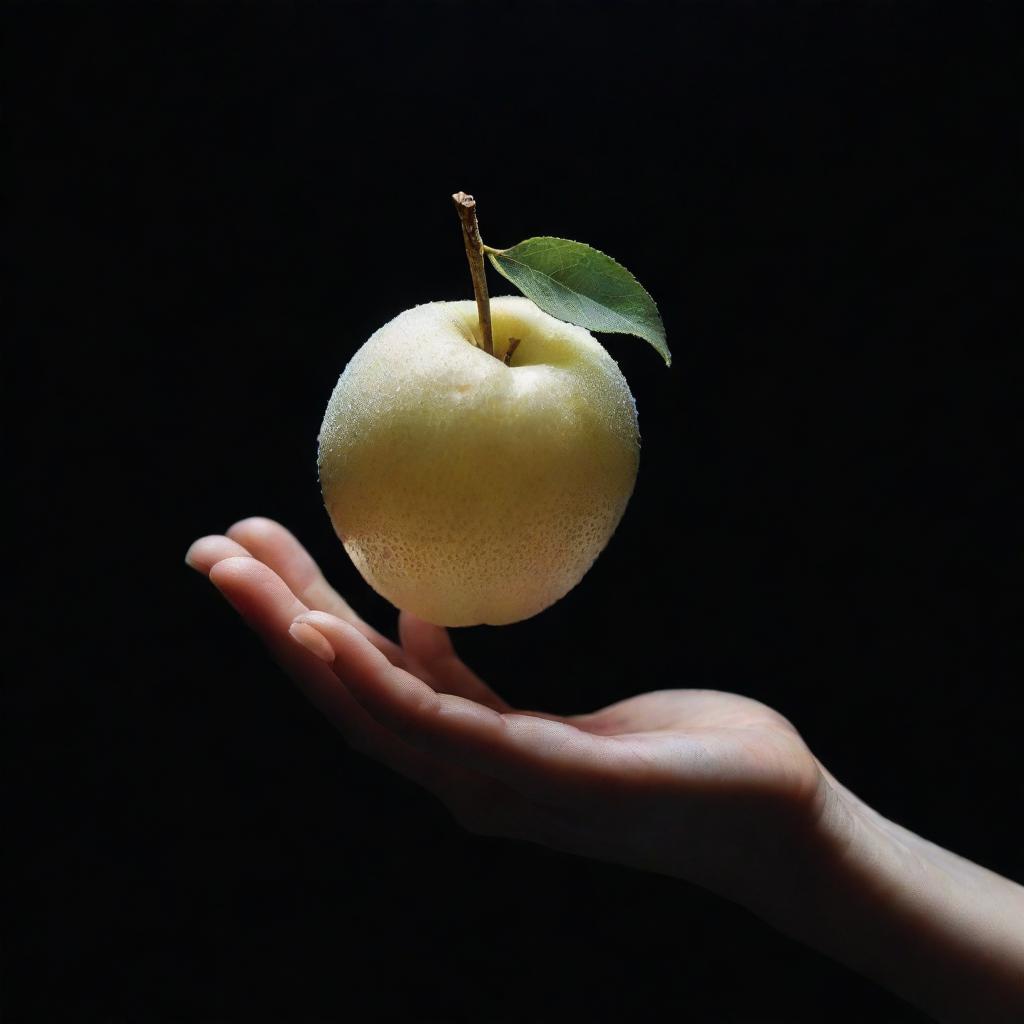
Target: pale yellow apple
468	491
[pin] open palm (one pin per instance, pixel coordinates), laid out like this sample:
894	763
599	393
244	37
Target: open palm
693	783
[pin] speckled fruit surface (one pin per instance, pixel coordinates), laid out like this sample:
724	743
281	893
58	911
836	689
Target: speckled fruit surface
468	491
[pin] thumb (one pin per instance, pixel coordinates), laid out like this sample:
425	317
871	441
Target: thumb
430	648
423	641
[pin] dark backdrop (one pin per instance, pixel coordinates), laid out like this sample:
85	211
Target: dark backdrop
214	205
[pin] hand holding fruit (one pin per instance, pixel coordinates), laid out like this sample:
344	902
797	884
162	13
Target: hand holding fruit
474	467
711	787
708	786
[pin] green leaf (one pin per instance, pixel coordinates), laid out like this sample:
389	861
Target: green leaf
583	286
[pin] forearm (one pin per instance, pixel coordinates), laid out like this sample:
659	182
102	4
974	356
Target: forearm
942	932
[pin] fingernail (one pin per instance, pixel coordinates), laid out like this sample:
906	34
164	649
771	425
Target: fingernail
190	559
313	640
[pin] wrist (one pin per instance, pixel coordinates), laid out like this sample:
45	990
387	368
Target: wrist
946	934
798	856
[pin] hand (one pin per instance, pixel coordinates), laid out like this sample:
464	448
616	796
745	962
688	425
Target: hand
708	786
702	785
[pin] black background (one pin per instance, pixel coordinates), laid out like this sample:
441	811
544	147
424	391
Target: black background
214	205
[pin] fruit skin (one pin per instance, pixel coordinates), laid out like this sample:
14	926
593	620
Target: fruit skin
467	491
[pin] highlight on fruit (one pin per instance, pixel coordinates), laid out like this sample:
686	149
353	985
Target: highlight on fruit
477	455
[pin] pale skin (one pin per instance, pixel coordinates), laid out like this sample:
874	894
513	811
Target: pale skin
710	787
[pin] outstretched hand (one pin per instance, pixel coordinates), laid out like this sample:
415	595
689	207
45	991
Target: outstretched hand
704	785
707	786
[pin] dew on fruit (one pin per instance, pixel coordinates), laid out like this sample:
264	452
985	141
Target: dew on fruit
468	539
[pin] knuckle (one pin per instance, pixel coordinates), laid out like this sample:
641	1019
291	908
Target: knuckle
426	704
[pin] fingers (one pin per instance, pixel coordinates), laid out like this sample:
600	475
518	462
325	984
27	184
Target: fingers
424	643
278	548
271	543
536	756
269	607
480	801
263	600
430	647
206	552
266	604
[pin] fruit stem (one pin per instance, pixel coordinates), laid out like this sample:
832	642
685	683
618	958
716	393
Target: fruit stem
466	206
